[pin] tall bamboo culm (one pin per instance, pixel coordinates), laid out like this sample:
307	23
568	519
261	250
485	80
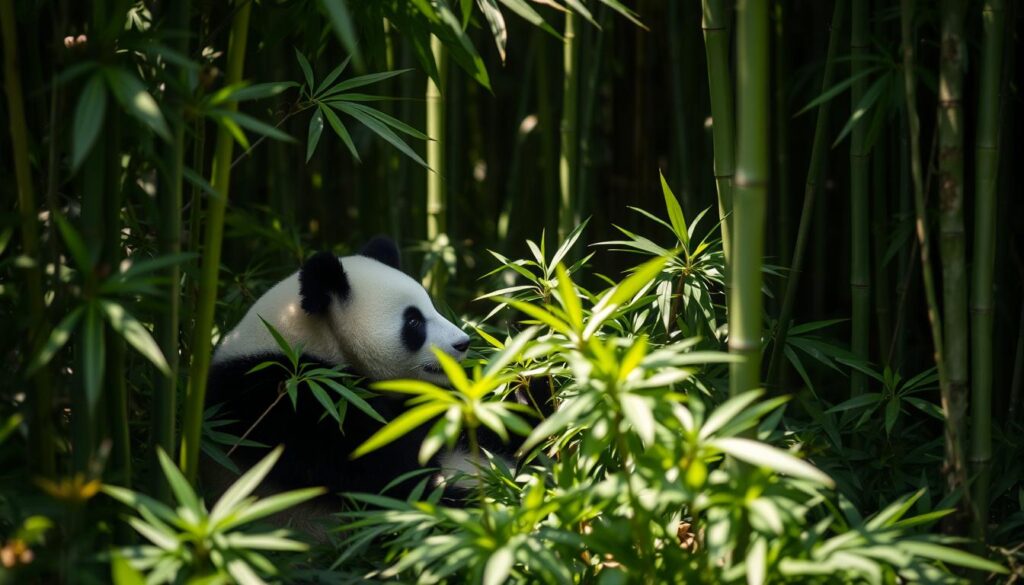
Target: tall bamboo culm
715	23
41	451
170	201
436	199
986	161
860	180
567	161
951	218
954	467
749	193
221	176
819	150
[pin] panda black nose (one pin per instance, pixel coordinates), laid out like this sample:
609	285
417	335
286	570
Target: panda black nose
461	345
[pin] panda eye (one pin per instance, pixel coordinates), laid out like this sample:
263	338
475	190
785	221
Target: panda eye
413	322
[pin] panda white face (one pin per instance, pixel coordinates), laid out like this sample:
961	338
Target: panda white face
360	311
387	324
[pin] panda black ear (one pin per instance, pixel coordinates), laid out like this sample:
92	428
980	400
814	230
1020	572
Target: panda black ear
320	277
384	250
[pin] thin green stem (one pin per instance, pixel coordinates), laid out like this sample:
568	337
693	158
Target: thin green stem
169	198
860	269
716	42
201	339
569	148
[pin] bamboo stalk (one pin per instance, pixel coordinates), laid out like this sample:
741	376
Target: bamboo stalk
40	428
679	70
749	194
986	172
436	196
207	300
716	43
115	385
951	219
780	134
819	150
860	269
568	149
954	466
169	198
546	128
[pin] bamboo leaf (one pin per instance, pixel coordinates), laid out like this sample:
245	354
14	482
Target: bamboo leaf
333	75
58	338
400	427
354	400
340	130
244	486
380	130
344	27
316	127
89	113
321	396
257	126
183	492
675	212
361	81
135	334
307	71
762	455
496	22
132	95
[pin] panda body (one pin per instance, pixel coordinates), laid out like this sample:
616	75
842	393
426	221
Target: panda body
358	312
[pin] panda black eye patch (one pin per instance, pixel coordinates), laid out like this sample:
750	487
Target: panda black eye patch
414	329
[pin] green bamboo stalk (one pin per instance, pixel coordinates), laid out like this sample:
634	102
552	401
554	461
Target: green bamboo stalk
749	193
954	465
819	150
780	133
951	219
115	386
679	70
546	128
40	428
986	161
169	198
437	204
221	177
860	269
567	167
880	237
716	43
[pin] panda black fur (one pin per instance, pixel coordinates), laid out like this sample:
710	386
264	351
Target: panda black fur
360	312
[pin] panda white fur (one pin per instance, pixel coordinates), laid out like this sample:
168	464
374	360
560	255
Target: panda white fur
361	312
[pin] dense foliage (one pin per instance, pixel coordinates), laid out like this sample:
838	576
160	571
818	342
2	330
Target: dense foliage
727	384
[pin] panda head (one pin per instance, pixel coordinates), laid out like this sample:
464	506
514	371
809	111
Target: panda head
382	320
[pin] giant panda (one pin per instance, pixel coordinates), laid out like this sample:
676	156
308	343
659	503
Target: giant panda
360	312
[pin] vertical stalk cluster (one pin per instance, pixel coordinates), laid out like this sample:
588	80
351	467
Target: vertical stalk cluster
860	269
221	177
986	160
819	149
567	159
956	474
41	451
749	194
715	23
951	224
436	200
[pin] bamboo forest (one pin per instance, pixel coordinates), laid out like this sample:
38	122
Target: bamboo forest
511	291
